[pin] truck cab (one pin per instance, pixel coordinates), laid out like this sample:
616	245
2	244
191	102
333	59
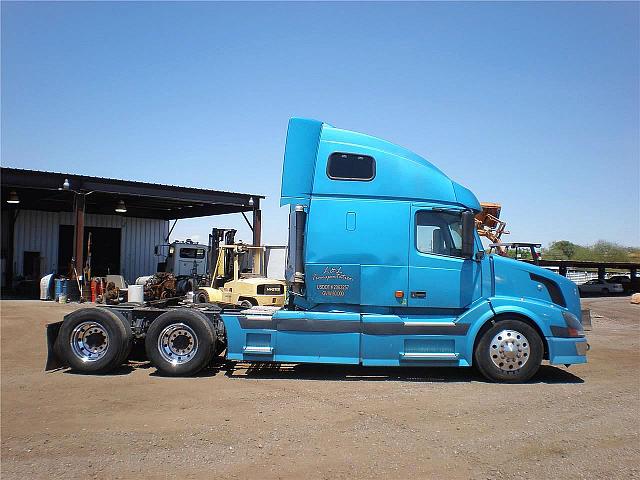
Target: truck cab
186	258
385	267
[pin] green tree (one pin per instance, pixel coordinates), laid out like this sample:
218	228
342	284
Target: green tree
561	250
602	250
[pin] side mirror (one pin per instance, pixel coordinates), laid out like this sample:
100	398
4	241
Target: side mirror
468	234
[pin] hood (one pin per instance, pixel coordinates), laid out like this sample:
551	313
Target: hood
521	279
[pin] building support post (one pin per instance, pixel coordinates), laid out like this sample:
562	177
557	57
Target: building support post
563	270
10	261
601	272
257	224
635	281
78	213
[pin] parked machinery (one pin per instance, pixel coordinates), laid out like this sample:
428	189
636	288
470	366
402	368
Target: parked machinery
239	275
489	225
160	286
488	222
525	251
184	269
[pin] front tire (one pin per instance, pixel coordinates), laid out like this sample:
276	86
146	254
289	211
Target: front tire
510	351
180	342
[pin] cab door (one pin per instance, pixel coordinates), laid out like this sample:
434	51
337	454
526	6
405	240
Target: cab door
439	277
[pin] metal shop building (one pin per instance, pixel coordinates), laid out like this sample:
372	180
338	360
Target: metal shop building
49	219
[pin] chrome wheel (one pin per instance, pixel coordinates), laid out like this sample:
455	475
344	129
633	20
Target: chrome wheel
509	350
177	343
89	341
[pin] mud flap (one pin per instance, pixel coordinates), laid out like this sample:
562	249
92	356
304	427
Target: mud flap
53	361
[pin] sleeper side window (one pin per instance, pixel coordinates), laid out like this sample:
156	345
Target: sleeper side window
351	166
439	233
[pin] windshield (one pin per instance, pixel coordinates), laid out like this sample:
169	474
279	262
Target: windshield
192	253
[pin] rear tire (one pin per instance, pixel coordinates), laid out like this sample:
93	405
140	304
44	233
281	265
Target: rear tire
201	296
247	303
128	340
510	351
180	342
94	340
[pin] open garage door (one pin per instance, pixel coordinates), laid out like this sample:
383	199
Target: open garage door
105	249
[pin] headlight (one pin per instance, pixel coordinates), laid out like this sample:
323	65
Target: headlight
574	327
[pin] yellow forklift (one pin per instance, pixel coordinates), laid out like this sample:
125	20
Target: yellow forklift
239	274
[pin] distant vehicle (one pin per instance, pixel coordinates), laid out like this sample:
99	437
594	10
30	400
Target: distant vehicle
622	280
524	251
600	286
186	258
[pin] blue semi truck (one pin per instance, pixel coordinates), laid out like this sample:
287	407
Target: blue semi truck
384	268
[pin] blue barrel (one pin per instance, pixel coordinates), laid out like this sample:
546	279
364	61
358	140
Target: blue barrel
61	286
56	289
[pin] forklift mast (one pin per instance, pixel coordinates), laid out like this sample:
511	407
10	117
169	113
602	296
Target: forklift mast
221	273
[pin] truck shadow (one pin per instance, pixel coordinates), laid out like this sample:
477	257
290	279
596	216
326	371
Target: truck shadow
272	371
351	373
126	369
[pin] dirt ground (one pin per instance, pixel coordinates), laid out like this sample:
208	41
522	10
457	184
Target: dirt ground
319	422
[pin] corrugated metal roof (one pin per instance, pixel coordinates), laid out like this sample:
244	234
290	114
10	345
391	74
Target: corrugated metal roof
111	179
43	191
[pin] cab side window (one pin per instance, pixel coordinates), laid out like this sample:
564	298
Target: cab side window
350	166
439	233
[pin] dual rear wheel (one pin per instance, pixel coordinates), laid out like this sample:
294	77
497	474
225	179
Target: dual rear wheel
180	342
97	340
94	340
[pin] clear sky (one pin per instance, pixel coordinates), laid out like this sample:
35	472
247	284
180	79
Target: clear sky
535	106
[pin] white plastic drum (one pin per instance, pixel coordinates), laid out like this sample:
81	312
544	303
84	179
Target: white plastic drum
45	287
136	293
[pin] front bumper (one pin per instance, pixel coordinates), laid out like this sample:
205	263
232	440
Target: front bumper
567	351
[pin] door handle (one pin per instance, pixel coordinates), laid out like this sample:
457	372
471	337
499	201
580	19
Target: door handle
418	294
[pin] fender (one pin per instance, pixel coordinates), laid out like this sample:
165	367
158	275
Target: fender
477	316
542	314
255	332
54	362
